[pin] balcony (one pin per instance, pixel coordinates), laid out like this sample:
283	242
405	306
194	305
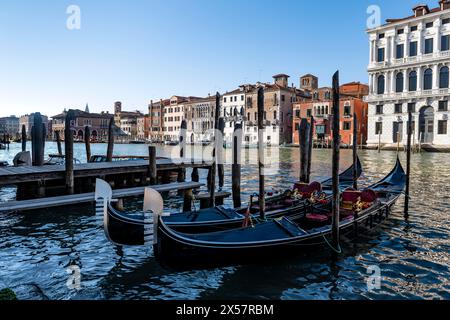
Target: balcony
407	95
410	60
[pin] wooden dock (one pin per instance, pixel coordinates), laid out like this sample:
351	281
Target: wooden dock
50	181
67	200
15	175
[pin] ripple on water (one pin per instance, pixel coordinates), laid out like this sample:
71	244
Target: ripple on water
37	249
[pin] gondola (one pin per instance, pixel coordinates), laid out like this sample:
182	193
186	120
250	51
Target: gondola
128	229
278	236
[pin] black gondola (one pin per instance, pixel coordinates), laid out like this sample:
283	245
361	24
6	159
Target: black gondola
276	236
128	229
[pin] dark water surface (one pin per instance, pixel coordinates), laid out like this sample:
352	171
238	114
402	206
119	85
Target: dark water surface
37	248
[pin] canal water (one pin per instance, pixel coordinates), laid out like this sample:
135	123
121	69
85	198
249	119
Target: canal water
63	254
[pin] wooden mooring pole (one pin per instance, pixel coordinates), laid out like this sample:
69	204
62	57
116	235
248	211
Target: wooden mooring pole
355	152
212	171
152	169
262	196
58	143
220	157
37	143
24	138
236	166
68	142
183	135
408	165
303	140
310	149
109	152
335	165
87	142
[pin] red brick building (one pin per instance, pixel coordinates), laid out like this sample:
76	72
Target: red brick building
320	107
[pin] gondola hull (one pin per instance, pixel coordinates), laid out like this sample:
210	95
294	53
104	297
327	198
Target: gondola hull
273	237
128	229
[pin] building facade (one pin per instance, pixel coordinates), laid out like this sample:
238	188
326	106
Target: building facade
173	114
320	107
10	125
200	115
132	123
98	124
156	120
233	106
409	71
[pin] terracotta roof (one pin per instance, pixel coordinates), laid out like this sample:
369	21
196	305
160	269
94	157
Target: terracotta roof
281	75
434	10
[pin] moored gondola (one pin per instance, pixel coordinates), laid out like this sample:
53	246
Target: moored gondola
128	229
368	209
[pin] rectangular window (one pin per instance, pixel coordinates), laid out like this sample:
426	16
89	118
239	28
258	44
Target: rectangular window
413	49
411	107
378	128
442	127
398	108
413	28
400	31
379	109
428	46
225	100
297	113
400	51
242	98
380	57
445	41
381	36
347	125
309	113
283	97
429	25
443	105
446	21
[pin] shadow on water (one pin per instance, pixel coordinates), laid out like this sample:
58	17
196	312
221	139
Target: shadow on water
36	249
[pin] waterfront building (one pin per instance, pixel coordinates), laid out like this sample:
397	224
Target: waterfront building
409	71
320	107
10	125
97	122
127	121
28	121
174	113
156	120
200	115
232	109
279	98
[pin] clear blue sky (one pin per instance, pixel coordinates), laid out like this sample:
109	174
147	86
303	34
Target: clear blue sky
135	51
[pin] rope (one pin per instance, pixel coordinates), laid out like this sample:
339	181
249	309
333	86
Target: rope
338	251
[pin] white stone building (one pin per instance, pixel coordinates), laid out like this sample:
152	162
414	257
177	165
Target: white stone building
409	70
174	113
233	111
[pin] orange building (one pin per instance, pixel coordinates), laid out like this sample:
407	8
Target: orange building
320	107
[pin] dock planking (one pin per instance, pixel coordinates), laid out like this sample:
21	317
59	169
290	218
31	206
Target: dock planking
14	175
66	200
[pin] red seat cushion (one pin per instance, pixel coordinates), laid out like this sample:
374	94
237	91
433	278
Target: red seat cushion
317	217
369	196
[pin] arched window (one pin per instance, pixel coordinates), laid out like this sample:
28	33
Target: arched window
413	81
443	78
428	79
399	83
381	85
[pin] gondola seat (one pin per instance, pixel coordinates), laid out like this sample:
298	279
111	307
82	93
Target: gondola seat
306	190
317	218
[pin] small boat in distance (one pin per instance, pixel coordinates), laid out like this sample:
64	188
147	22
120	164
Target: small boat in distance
171	143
